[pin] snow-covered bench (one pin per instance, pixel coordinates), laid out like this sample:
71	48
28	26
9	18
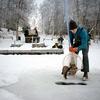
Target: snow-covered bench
33	51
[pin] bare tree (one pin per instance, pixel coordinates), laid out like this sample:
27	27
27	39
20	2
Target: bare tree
52	12
16	11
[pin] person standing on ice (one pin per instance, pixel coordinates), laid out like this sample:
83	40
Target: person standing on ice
79	41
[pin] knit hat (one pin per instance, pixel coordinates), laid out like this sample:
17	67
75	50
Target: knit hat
72	25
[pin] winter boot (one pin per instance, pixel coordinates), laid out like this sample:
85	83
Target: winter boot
65	71
85	76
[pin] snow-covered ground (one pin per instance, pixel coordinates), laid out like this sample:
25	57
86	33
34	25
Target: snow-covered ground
33	77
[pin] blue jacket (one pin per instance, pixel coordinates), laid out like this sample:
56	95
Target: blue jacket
82	35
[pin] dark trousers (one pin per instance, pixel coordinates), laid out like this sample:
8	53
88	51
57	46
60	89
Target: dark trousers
85	60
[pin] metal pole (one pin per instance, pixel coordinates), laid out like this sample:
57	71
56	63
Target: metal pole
66	17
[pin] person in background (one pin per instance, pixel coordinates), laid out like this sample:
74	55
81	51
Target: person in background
79	42
35	32
60	40
26	32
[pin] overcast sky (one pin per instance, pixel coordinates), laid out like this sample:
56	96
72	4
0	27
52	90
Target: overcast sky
39	1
